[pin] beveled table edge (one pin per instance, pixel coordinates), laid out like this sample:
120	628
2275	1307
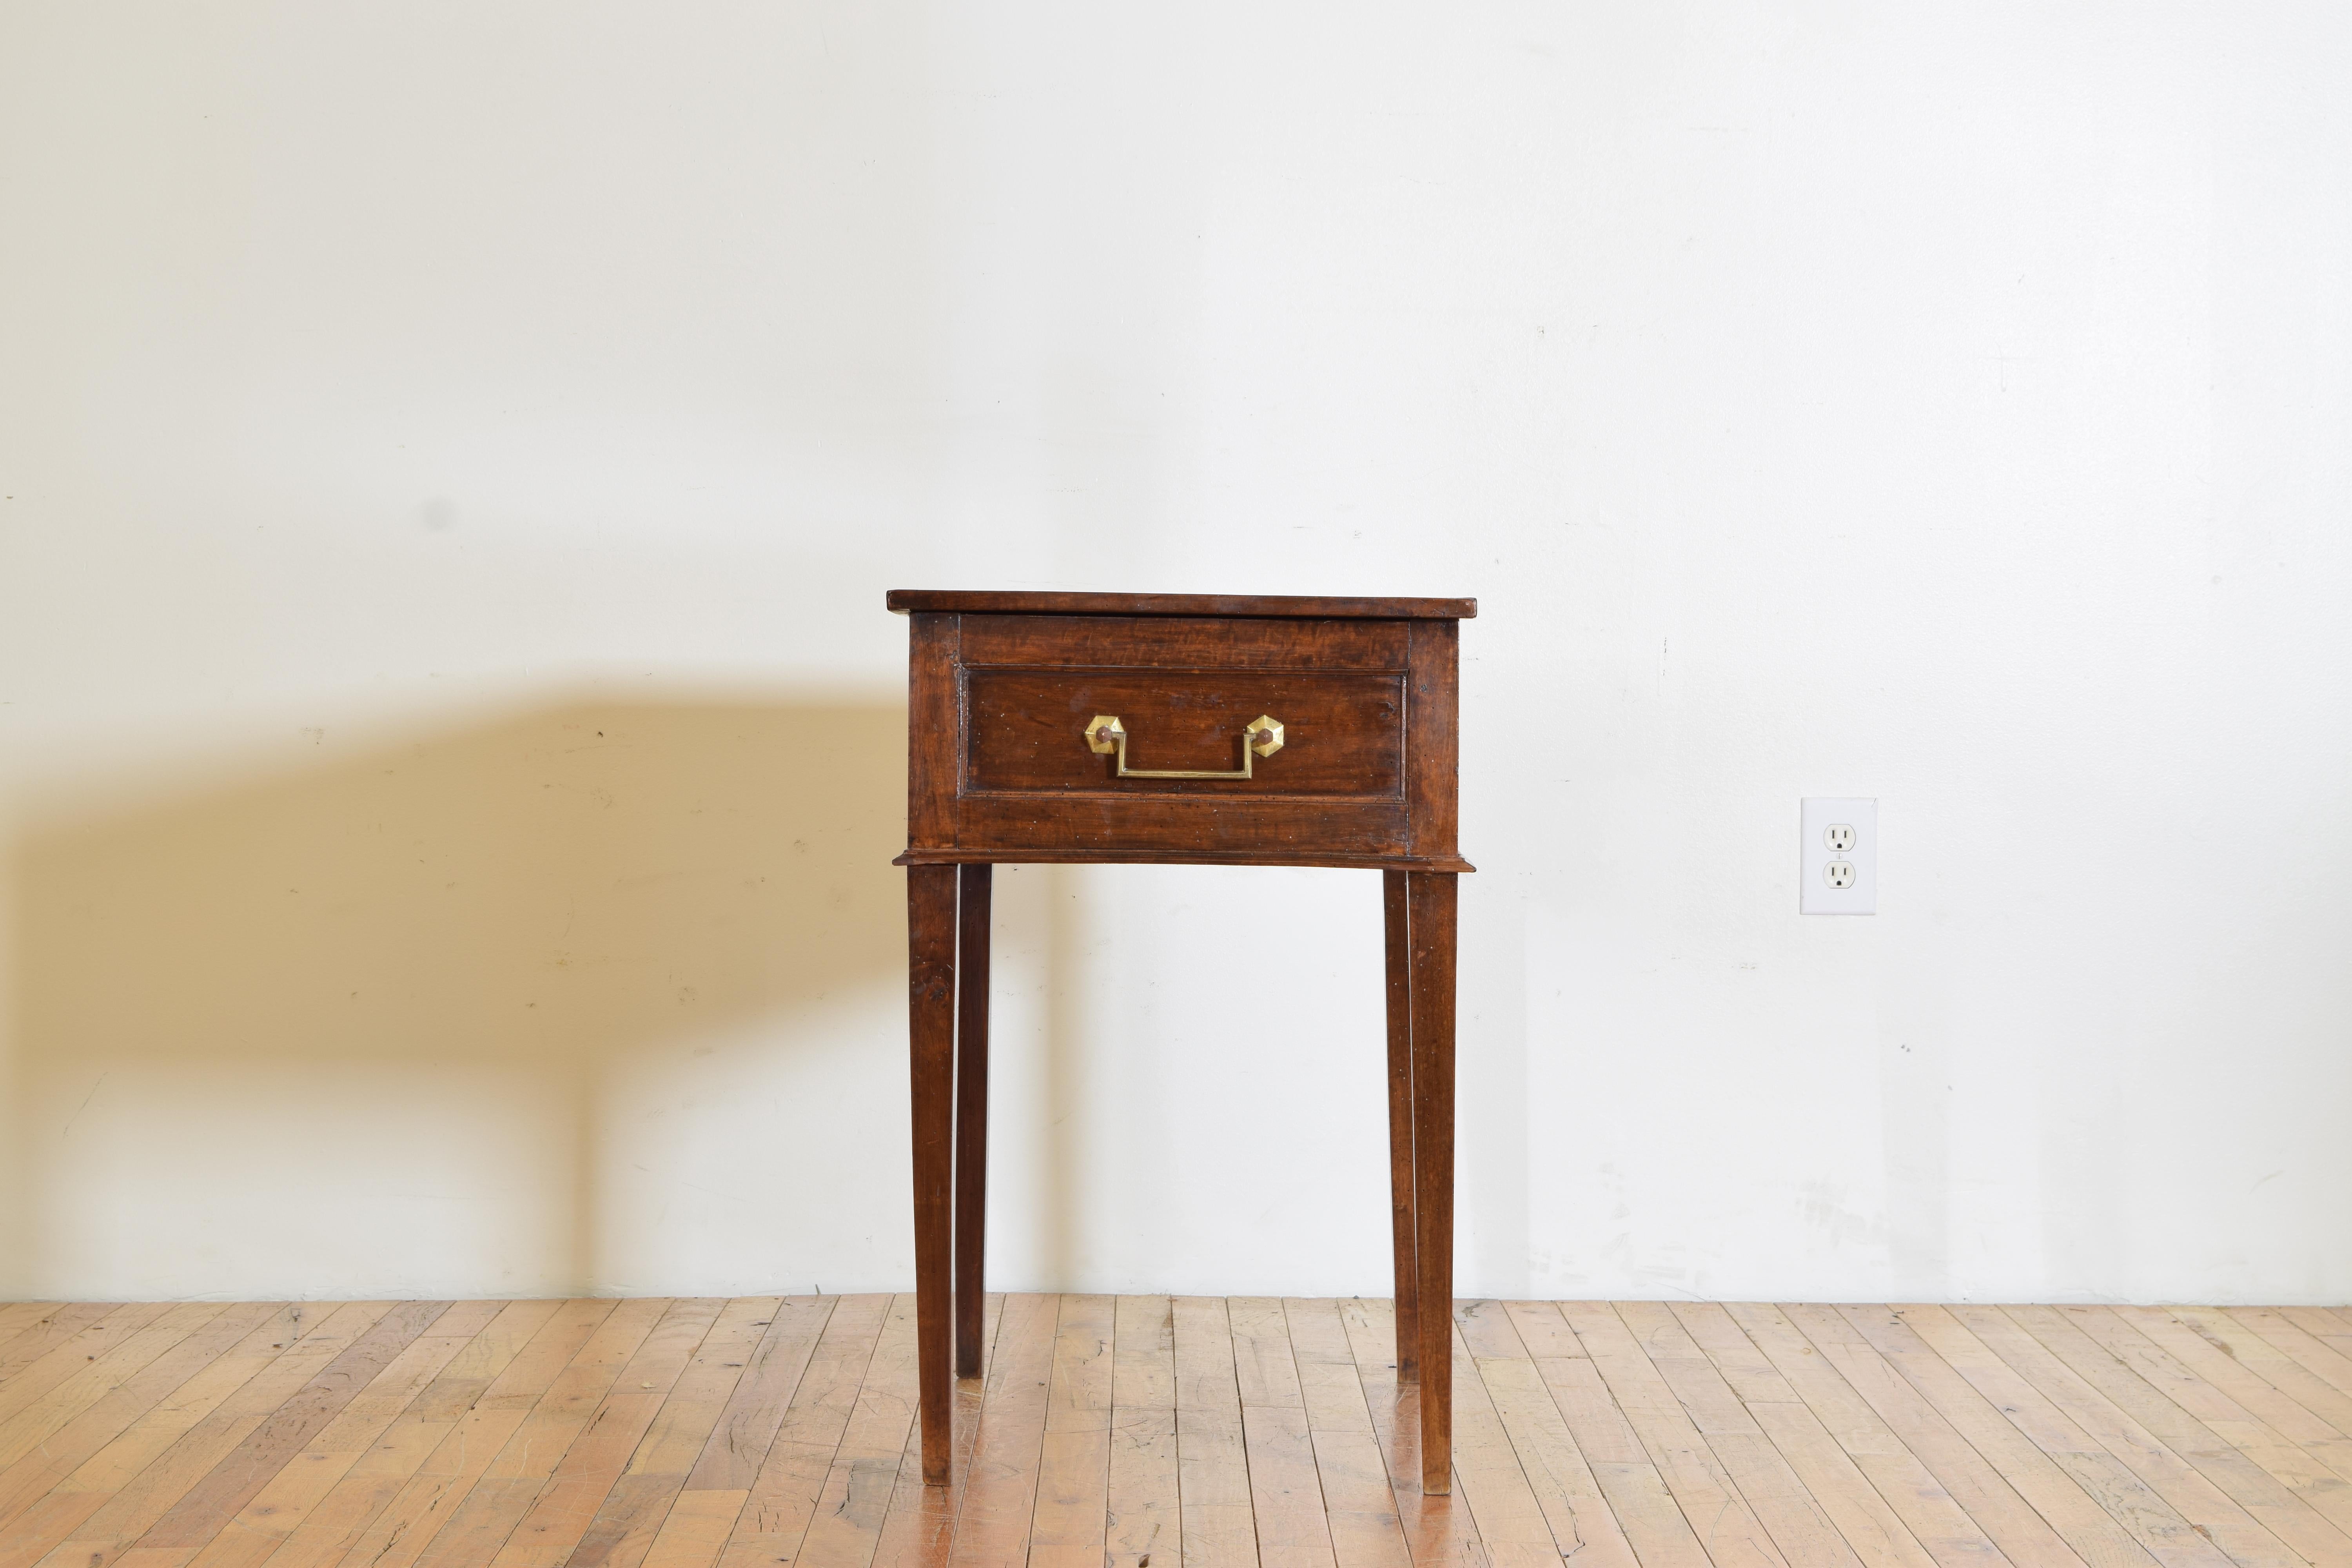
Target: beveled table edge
1453	863
1248	606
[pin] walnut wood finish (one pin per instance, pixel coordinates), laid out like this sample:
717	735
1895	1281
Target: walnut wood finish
1223	606
1128	642
1430	904
933	709
1396	928
998	769
1343	734
1000	688
1178	828
1114	856
1434	742
931	998
973	886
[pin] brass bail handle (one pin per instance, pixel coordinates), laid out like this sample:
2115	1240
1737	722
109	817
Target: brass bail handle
1106	734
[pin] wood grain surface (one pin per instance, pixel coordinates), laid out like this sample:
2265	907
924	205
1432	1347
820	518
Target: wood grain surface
1035	642
1002	690
1430	914
1215	830
1343	734
930	979
998	767
1332	861
1245	1433
974	899
904	600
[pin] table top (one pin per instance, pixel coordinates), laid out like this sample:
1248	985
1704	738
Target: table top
1255	606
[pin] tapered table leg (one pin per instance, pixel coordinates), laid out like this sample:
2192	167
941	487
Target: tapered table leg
1431	900
971	1110
930	983
1397	928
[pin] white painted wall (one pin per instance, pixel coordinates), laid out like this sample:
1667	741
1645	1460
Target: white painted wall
450	735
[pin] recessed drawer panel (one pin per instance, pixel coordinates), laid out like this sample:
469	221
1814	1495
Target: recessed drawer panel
1342	733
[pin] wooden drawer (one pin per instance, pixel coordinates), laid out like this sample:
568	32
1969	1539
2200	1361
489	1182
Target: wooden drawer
1342	736
1000	768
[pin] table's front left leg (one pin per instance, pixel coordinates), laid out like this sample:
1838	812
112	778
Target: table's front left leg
974	886
931	988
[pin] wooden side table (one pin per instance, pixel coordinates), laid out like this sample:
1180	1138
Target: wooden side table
1195	730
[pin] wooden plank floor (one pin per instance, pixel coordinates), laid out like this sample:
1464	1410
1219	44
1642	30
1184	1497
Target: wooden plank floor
1199	1432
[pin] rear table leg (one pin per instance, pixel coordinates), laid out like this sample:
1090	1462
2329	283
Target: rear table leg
1400	1184
1431	900
971	1110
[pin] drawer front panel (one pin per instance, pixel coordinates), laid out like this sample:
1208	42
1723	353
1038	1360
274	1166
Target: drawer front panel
1343	734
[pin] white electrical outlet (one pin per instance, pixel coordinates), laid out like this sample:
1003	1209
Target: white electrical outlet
1837	860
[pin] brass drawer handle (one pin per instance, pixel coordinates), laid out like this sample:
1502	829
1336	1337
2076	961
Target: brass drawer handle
1106	734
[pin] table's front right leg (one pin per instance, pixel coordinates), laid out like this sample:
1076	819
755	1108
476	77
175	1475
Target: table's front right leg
931	999
1432	896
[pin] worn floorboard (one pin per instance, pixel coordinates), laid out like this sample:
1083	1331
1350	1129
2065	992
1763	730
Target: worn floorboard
1199	1432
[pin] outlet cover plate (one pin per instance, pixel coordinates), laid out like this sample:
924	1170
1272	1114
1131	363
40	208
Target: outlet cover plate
1816	895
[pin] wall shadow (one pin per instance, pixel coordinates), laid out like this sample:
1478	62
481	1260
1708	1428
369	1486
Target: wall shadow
455	938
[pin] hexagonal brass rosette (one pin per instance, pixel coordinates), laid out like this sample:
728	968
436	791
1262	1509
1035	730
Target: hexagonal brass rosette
1103	731
1265	734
